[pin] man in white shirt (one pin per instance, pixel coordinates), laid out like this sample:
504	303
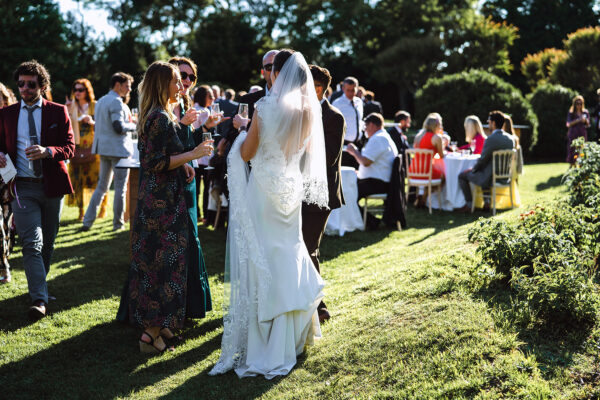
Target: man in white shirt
351	107
375	160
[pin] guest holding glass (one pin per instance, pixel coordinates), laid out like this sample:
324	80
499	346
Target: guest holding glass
578	120
430	138
84	168
474	135
162	289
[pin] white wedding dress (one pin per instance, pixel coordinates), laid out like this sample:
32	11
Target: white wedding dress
272	287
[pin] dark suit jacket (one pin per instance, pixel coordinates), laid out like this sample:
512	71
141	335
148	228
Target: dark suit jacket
250	99
334	127
229	109
56	134
481	174
371	107
400	141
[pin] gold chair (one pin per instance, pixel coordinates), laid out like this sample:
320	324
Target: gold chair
503	165
420	176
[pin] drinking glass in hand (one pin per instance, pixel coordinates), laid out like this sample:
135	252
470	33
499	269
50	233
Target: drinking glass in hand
216	112
244	110
207	136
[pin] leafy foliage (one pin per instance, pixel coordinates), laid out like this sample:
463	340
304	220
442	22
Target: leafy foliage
475	92
536	67
550	104
584	180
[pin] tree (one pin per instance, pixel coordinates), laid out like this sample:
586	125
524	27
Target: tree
25	25
580	68
541	23
536	67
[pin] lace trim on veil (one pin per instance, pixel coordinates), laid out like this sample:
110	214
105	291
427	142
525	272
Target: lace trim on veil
241	236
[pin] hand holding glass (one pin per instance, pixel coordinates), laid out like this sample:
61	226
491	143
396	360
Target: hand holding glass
207	136
244	110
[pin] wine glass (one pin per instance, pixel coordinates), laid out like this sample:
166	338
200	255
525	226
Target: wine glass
30	163
244	110
216	111
453	146
207	136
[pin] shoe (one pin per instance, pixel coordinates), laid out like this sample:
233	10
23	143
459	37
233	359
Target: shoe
150	347
37	310
323	315
84	229
169	337
5	276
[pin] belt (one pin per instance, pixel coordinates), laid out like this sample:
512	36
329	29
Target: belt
26	179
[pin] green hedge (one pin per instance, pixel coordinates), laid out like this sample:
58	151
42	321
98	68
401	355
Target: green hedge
551	104
475	92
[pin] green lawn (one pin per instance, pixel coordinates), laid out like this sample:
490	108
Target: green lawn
405	324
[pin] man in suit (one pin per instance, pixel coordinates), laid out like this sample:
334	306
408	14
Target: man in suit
371	106
314	219
398	132
229	109
339	91
112	142
38	137
481	173
351	107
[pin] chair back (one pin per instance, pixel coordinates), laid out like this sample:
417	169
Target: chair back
503	162
421	165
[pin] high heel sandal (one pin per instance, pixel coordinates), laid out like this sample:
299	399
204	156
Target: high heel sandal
150	347
169	337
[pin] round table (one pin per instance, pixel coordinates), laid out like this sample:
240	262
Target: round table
452	196
347	218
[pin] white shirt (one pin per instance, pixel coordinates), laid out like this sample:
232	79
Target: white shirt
345	106
380	149
23	141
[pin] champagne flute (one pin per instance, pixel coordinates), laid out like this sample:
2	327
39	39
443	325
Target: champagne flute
28	145
207	136
244	110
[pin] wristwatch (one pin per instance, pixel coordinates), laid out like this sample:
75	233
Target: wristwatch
242	128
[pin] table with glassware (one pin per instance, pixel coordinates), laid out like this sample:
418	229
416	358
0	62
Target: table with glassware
452	196
347	218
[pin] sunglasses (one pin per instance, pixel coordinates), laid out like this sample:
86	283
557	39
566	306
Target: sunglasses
185	75
30	84
268	67
79	90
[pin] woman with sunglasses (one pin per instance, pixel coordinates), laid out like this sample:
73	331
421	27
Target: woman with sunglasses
578	120
85	166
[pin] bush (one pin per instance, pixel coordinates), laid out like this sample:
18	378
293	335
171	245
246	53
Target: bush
549	259
475	92
536	67
550	104
583	181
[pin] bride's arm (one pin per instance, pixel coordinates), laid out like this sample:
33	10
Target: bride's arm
250	145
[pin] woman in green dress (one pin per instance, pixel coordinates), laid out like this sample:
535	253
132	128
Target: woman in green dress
167	279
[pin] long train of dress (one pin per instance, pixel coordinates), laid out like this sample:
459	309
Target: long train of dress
274	287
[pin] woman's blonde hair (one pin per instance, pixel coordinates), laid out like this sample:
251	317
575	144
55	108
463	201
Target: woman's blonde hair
8	97
473	127
432	123
573	108
153	91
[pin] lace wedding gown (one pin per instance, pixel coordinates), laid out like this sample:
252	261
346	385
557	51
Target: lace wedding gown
272	287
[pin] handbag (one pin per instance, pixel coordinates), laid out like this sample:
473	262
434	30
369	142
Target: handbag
83	156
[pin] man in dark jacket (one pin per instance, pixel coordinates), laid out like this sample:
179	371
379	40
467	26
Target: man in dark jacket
314	219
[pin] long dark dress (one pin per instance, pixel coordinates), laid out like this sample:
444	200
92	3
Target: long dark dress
167	280
575	131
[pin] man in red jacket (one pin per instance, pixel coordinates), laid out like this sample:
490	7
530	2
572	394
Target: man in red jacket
38	137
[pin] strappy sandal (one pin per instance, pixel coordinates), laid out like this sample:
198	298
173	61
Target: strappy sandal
150	347
169	337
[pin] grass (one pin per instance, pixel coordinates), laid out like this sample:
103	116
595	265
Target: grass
405	324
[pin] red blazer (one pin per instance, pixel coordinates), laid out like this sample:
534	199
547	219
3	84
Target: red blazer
56	134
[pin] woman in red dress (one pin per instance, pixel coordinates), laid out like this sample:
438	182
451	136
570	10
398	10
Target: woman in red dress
430	138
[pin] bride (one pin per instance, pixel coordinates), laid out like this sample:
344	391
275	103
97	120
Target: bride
272	287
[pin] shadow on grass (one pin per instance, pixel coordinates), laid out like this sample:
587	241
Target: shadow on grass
103	271
553	345
104	362
553	181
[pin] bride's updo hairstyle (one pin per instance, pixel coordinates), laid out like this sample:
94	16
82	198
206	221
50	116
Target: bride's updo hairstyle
280	60
153	91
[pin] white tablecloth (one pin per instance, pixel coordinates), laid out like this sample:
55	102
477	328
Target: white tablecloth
346	218
452	196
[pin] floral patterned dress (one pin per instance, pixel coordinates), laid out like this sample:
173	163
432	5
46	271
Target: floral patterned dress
166	254
84	177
